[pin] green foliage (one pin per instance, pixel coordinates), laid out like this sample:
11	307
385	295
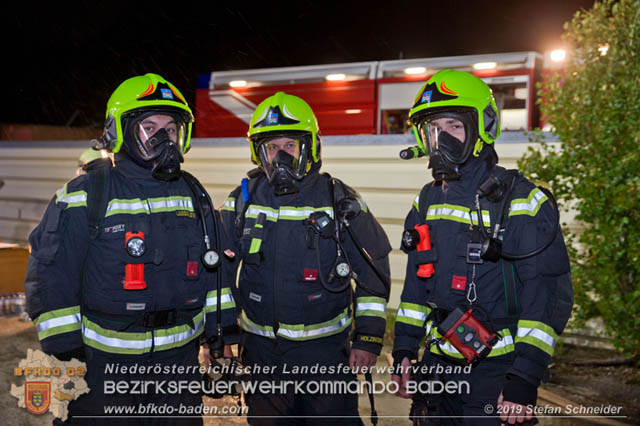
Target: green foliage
594	106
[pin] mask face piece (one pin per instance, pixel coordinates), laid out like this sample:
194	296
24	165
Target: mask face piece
283	178
449	138
284	160
152	129
441	169
156	141
166	164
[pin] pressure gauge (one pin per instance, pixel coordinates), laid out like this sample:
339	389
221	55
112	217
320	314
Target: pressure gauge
211	259
136	246
343	270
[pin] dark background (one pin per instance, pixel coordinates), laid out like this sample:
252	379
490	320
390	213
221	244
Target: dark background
62	60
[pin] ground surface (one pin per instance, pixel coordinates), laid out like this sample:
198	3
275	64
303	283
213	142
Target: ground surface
589	386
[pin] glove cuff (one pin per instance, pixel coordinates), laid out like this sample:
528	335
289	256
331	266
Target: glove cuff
517	389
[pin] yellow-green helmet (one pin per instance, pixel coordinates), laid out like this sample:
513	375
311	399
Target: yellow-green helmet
284	115
451	91
144	94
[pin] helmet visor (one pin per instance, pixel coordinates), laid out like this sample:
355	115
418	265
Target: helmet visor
296	150
451	134
154	129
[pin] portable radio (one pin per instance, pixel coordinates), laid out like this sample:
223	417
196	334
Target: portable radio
467	335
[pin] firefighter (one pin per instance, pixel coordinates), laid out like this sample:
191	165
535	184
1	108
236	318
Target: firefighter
302	237
496	248
115	275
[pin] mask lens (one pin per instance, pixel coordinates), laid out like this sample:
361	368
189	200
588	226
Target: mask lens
269	149
446	135
155	130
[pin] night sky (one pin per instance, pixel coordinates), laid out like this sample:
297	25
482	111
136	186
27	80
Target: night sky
62	60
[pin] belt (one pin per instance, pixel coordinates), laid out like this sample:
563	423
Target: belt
154	319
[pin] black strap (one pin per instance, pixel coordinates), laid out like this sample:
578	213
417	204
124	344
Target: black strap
374	414
241	206
422	201
509	280
150	319
97	199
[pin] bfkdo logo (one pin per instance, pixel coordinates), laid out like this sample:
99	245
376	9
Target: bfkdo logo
49	384
37	396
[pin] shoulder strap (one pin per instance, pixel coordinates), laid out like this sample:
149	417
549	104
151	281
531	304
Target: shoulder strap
509	281
336	192
247	187
423	200
97	199
199	194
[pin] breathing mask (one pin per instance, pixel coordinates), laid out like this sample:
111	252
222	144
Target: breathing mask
284	161
450	138
159	143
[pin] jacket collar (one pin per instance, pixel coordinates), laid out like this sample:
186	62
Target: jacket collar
472	174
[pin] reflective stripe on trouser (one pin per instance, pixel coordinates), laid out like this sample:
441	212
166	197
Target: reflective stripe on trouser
138	343
299	331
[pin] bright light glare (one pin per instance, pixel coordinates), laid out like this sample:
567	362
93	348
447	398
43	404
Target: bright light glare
603	49
484	66
237	83
353	111
415	70
558	55
335	77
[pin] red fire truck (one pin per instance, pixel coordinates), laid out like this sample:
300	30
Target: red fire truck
364	97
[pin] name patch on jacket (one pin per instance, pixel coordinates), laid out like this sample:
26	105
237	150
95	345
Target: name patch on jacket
136	306
114	229
459	282
186	213
255	297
